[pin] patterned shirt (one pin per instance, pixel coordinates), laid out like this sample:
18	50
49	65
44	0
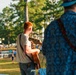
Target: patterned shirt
60	58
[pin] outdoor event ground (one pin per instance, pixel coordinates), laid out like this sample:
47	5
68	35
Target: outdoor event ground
9	67
12	68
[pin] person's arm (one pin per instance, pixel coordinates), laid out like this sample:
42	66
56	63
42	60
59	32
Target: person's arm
28	49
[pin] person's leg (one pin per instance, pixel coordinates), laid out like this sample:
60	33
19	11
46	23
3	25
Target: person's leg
23	68
27	69
31	69
12	59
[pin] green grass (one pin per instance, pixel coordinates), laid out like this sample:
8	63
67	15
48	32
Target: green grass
6	64
5	60
10	73
12	65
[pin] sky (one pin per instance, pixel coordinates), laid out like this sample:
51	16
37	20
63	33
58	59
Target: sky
4	3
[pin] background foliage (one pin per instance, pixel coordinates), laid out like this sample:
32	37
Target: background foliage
40	13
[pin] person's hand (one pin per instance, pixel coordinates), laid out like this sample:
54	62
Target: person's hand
38	51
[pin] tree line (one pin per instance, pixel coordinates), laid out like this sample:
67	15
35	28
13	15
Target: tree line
40	13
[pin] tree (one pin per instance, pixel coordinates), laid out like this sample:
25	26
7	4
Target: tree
36	14
6	18
52	9
39	12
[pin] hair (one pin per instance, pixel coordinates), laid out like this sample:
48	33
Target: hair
27	25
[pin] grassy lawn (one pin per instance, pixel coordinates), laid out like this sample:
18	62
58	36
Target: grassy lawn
8	67
12	68
11	73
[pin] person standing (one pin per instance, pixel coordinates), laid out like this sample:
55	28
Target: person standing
26	65
14	52
60	56
12	57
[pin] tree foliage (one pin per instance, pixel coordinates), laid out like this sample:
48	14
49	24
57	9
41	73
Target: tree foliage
36	14
6	24
40	12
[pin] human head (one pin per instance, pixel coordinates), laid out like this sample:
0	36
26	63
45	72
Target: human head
69	4
28	27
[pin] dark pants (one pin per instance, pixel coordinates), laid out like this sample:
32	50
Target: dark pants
27	68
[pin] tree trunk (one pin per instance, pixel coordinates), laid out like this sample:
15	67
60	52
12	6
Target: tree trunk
26	18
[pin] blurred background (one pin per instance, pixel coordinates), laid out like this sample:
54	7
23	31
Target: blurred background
13	14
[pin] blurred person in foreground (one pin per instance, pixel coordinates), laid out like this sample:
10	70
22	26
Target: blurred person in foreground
60	57
26	65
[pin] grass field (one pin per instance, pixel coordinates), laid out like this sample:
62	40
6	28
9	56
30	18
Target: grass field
12	68
9	67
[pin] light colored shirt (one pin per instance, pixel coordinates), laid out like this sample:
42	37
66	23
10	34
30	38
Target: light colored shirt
20	56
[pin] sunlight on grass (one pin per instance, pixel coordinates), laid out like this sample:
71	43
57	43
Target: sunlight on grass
12	68
9	67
